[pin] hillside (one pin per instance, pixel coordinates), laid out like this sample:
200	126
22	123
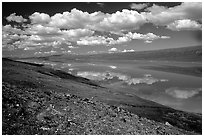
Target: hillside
41	100
33	111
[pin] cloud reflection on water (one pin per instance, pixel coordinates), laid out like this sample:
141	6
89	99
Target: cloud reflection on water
100	76
183	93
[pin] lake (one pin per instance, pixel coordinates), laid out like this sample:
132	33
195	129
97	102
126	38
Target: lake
179	91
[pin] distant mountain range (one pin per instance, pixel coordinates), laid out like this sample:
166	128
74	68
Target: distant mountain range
186	54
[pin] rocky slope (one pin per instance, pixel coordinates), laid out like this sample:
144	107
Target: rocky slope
36	111
40	100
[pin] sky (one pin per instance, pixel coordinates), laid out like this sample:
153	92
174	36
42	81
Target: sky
52	28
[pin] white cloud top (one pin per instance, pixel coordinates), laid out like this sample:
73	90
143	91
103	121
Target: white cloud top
15	18
138	6
39	18
149	37
128	50
185	24
163	16
113	50
79	28
121	21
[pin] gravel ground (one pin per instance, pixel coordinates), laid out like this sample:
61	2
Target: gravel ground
30	111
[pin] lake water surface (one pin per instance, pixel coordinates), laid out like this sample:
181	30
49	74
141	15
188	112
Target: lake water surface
179	91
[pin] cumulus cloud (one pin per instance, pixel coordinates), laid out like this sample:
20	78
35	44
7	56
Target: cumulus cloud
8	29
163	16
185	24
128	50
100	76
52	52
41	30
145	80
67	52
138	6
147	41
113	67
123	39
94	75
115	22
39	18
15	18
101	40
93	40
113	50
76	34
124	20
92	52
183	93
12	36
76	19
80	27
148	38
72	47
121	21
38	35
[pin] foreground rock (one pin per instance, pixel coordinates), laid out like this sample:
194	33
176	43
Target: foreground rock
35	111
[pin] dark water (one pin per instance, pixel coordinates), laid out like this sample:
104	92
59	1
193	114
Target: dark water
179	91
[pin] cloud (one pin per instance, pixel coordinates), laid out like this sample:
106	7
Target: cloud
15	18
113	50
121	21
8	29
125	20
29	39
76	34
76	19
11	36
93	40
100	76
138	6
41	30
145	80
39	18
100	4
113	67
72	47
128	50
147	41
39	36
183	93
77	27
92	52
115	22
52	52
123	39
148	38
163	16
67	52
185	24
101	40
94	75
